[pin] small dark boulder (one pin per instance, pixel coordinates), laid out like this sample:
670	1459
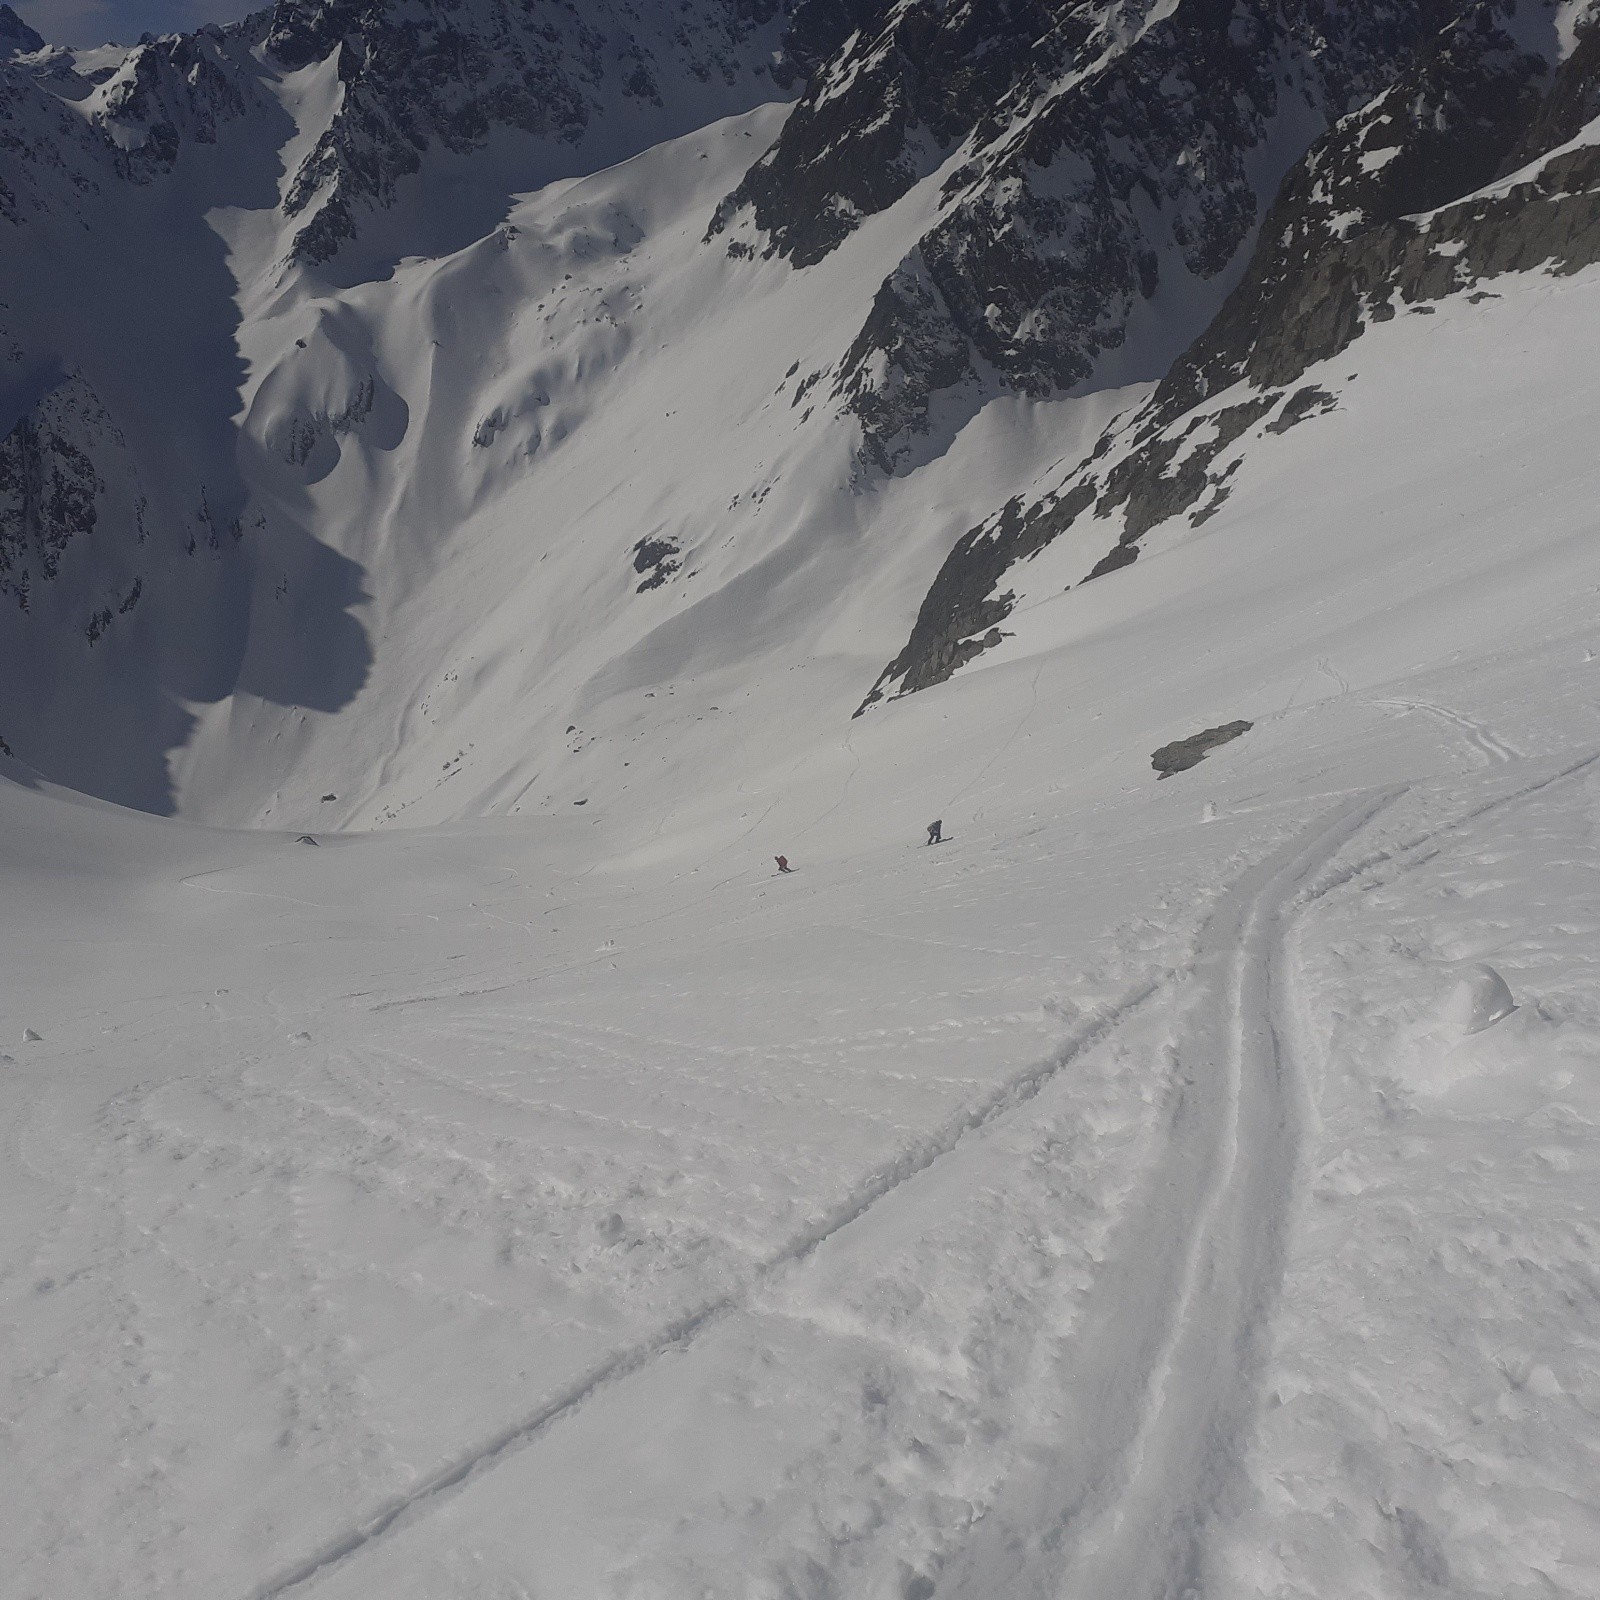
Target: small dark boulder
1184	753
305	838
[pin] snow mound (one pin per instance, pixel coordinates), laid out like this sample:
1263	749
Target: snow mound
1479	999
1454	1046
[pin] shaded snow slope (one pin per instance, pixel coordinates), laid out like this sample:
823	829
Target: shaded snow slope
156	203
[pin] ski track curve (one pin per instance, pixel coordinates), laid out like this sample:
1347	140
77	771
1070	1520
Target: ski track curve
1164	1366
403	1510
1162	1370
1492	749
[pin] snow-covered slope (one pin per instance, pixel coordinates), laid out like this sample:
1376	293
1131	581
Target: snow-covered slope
177	216
1106	1201
445	1159
362	363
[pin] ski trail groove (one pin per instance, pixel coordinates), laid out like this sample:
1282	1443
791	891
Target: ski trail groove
403	1509
1161	1372
1407	854
1492	750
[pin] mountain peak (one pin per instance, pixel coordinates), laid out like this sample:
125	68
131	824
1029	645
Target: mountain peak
16	37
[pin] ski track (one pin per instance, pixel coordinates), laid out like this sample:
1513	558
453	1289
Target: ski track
1413	852
402	1510
1492	749
1164	1366
1120	1502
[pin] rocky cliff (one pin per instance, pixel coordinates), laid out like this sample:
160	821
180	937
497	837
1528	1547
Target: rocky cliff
1471	163
290	308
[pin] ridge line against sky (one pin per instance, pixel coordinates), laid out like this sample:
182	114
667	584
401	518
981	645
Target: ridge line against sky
85	23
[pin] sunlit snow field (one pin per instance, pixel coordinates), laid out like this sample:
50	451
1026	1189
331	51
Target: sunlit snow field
1107	1202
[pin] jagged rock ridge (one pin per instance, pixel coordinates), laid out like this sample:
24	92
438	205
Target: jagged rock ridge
1052	198
1095	156
1397	204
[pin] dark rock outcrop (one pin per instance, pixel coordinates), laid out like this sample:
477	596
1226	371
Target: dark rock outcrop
16	37
657	559
959	617
48	494
907	84
442	74
426	75
1397	206
1443	129
1098	152
1182	754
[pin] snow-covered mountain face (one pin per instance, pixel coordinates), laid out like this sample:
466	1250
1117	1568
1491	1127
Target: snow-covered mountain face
398	397
1477	161
635	441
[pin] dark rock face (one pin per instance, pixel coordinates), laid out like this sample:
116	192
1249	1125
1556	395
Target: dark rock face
1573	101
1450	121
1342	246
818	29
1182	754
907	84
165	93
921	354
1102	151
171	90
16	37
657	559
74	552
415	76
1303	403
411	80
962	604
1045	254
48	489
439	73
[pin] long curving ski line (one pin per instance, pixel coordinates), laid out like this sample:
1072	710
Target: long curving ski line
1161	1372
679	1334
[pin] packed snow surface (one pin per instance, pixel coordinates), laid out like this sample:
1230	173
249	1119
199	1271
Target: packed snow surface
1124	1198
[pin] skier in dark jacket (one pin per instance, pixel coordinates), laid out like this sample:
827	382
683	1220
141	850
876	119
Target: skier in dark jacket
934	835
783	863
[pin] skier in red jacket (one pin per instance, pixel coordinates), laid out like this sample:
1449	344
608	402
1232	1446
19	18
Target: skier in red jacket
783	863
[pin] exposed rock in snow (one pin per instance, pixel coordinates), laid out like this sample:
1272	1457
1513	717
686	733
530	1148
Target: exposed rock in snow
1349	240
452	77
1095	160
1182	754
